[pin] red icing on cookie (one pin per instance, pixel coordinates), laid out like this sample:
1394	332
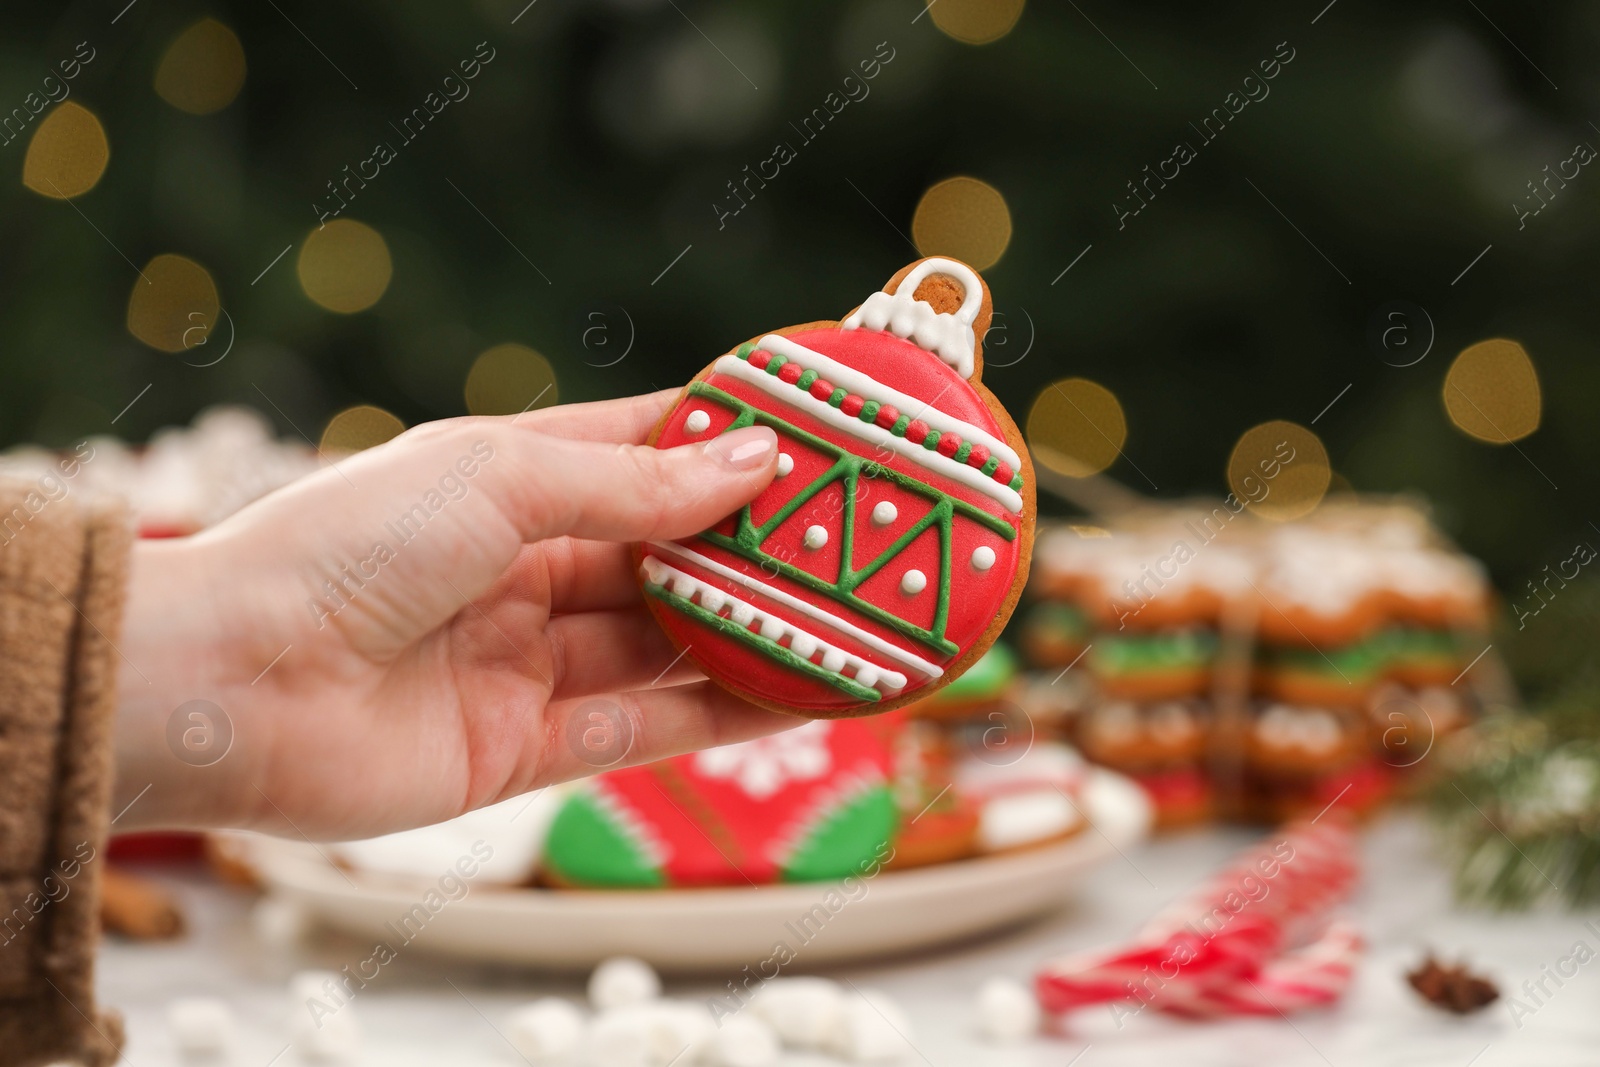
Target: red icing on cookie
884	551
759	811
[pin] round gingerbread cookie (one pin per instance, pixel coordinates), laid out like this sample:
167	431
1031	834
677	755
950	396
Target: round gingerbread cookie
890	549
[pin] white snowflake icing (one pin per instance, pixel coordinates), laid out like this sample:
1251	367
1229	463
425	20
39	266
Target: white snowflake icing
767	764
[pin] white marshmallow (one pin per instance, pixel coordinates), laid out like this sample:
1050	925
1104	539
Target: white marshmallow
873	1029
322	1020
803	1011
680	1031
201	1026
620	1037
546	1030
1007	1010
622	980
744	1041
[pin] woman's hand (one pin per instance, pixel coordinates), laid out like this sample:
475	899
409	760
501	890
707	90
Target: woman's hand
424	628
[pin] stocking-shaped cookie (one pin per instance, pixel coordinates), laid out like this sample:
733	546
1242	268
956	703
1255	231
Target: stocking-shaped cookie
805	805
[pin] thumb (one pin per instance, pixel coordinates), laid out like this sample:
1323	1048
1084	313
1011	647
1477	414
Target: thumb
605	492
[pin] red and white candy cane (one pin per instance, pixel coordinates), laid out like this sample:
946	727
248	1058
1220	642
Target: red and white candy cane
1221	944
1313	976
1312	868
1149	966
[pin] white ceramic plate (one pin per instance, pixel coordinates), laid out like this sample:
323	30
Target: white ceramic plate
702	929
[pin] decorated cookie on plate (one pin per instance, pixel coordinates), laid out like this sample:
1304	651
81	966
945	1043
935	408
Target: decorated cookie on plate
809	804
889	551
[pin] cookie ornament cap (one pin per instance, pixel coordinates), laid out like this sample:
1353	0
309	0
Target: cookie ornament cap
889	553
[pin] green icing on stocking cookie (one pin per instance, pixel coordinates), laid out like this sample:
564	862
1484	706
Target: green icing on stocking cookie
588	845
844	839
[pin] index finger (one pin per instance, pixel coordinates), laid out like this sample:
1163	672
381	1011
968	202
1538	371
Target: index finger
625	421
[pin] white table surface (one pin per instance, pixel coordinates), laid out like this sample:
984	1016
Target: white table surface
438	1011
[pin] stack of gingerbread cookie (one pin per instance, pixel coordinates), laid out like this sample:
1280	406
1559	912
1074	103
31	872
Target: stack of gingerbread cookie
1262	670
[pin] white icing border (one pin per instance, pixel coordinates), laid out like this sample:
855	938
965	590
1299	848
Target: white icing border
686	585
844	626
950	337
871	432
858	382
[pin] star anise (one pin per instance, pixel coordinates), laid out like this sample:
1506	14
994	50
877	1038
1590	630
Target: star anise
1455	989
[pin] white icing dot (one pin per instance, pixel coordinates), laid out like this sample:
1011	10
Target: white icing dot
982	558
803	645
815	537
833	660
785	463
771	628
867	676
742	613
699	421
712	600
913	582
883	513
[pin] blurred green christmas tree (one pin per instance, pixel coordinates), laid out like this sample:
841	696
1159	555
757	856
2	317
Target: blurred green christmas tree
572	196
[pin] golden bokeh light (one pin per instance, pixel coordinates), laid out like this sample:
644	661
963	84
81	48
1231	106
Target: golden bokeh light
1076	427
1492	392
509	379
360	427
964	218
344	266
203	69
173	305
976	21
68	153
1279	470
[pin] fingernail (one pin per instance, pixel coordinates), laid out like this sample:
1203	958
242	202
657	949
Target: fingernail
747	449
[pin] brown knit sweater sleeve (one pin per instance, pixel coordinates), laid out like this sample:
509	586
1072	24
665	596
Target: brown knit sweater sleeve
62	573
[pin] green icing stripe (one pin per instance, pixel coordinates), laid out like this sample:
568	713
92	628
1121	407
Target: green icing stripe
776	364
1153	652
931	441
806	378
869	411
838	397
963	452
990	465
1016	482
766	646
900	424
1063	620
1360	661
744	350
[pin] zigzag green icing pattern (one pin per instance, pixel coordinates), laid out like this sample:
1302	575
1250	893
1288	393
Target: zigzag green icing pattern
748	537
